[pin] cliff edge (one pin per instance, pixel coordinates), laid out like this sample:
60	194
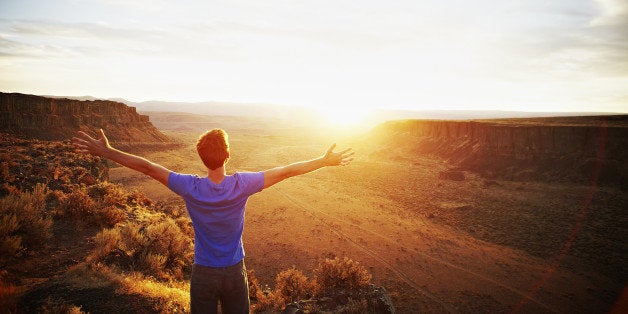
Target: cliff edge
577	149
60	118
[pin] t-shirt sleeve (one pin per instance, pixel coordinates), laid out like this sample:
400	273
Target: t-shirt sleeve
252	182
180	183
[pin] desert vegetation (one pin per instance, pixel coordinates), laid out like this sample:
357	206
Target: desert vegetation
344	283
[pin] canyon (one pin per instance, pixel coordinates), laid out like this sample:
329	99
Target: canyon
555	149
60	118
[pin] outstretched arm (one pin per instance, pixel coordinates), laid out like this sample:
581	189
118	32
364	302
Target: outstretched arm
330	158
100	147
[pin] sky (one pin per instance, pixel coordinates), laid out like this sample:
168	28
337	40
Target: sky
524	55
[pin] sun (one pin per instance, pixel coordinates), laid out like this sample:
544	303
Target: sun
344	117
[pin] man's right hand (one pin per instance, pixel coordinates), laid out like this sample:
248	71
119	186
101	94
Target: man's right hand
341	158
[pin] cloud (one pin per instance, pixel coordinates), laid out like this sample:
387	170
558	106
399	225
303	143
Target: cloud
16	49
53	38
608	34
613	13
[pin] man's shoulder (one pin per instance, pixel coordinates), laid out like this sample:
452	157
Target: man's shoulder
253	181
184	175
176	178
241	174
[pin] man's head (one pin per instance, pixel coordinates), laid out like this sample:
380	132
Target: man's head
213	148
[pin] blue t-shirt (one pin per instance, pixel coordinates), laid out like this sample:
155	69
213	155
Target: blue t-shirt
217	213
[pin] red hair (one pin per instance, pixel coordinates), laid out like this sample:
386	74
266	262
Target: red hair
213	148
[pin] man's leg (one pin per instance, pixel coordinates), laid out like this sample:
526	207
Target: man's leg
235	294
204	289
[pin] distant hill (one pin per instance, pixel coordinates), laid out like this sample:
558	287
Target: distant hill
60	118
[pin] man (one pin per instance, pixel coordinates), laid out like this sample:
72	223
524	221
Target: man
216	206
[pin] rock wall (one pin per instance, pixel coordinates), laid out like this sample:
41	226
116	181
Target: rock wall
60	118
518	149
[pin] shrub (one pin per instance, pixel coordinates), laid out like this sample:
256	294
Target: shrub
102	204
24	223
168	246
158	248
174	211
9	294
79	205
341	274
185	224
4	171
269	301
9	189
138	198
110	215
106	241
108	194
54	306
9	243
342	280
292	285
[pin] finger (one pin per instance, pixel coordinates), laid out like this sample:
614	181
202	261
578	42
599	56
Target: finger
348	155
79	140
346	161
86	136
344	152
102	135
331	148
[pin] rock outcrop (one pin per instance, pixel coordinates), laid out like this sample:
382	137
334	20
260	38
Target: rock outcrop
575	148
60	118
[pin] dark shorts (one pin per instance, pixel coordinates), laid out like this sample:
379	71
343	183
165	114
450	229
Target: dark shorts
230	285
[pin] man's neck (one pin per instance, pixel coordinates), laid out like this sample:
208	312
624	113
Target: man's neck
217	175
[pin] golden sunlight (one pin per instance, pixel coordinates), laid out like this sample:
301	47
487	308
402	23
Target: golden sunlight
344	118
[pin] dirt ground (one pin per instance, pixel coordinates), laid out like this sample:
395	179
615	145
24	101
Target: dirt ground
436	245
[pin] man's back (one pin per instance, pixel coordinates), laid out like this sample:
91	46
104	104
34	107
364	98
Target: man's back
217	213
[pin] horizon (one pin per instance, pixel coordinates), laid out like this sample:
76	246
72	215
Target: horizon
567	56
87	97
338	121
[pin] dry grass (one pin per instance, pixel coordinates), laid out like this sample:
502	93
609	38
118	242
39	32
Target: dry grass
157	247
332	276
342	273
8	294
24	222
171	296
56	306
292	285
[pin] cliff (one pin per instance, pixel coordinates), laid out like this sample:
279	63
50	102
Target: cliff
59	118
574	148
